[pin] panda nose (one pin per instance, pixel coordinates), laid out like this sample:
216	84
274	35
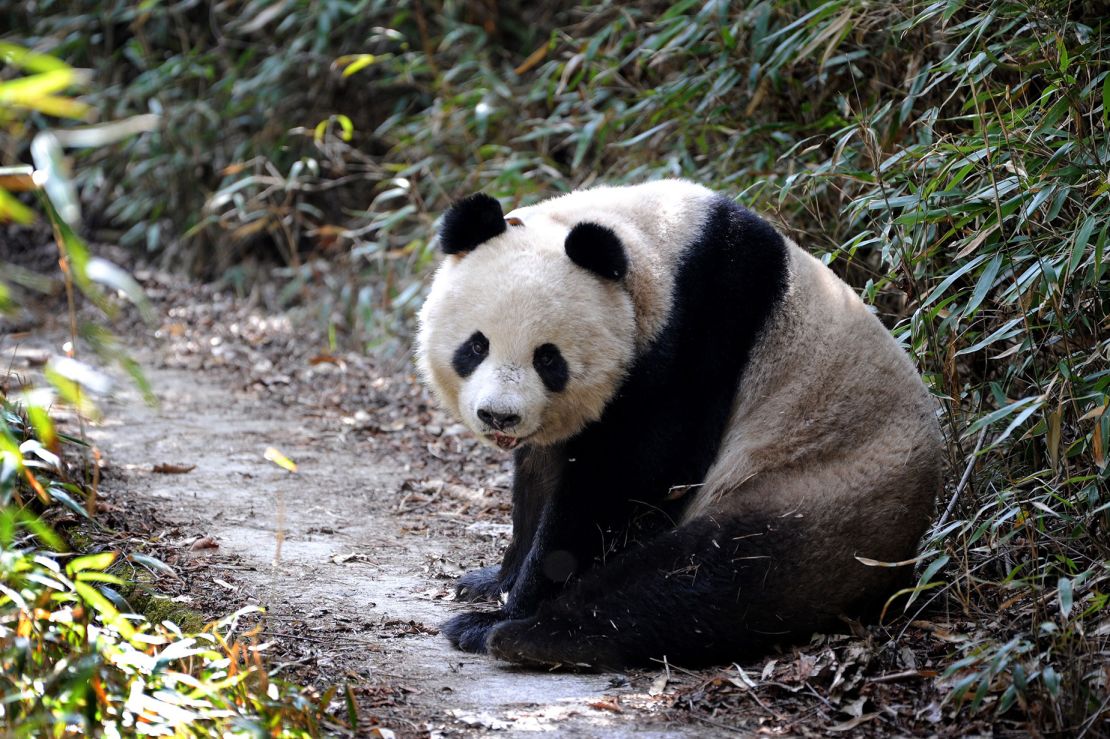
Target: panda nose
499	421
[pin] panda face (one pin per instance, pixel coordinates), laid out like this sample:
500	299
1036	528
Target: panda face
521	343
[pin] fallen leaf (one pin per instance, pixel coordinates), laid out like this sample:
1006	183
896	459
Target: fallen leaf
744	682
607	704
280	459
941	632
173	469
855	708
351	557
533	59
853	723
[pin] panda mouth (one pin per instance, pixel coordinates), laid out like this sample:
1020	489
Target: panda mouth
504	441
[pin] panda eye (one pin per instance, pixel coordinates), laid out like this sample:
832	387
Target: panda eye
470	354
551	367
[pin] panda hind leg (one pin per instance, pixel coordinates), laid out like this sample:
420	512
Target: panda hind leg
469	631
702	594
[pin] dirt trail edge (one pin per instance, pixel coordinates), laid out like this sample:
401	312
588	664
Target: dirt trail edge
352	590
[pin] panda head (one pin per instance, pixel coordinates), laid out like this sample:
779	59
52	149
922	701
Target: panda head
528	329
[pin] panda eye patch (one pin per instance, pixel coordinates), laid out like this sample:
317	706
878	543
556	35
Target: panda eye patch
470	354
551	367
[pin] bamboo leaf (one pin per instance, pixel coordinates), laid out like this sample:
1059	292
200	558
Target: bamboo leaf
1064	589
983	286
940	289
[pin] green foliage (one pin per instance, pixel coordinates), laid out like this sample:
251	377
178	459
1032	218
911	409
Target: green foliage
948	158
74	659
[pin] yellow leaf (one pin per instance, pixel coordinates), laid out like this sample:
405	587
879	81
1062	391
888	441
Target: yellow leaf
29	60
107	611
533	59
18	179
37	92
280	459
1096	445
357	62
1093	413
1052	438
58	107
13	210
99	561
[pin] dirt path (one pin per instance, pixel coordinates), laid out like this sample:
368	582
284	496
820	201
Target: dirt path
362	575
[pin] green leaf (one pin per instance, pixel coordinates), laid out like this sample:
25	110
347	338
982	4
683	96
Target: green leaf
986	282
42	531
105	273
29	91
1082	236
352	706
153	563
1051	680
943	286
1064	588
1003	412
1018	420
1005	331
117	600
1106	101
924	582
60	495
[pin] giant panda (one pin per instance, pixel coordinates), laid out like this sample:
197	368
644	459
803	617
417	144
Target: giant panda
710	430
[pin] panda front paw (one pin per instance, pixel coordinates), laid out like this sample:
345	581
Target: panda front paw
480	585
470	631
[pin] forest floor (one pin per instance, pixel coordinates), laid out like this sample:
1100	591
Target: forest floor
354	554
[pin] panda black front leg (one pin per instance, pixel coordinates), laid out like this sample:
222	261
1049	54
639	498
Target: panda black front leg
536	474
560	550
480	585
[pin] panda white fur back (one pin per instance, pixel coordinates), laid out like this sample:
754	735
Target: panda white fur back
709	427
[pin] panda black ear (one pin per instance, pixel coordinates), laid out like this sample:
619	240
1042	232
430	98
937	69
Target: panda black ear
470	222
597	249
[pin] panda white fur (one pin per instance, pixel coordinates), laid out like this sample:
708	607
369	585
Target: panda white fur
709	428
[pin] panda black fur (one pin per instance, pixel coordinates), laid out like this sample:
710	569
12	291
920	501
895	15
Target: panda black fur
731	429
